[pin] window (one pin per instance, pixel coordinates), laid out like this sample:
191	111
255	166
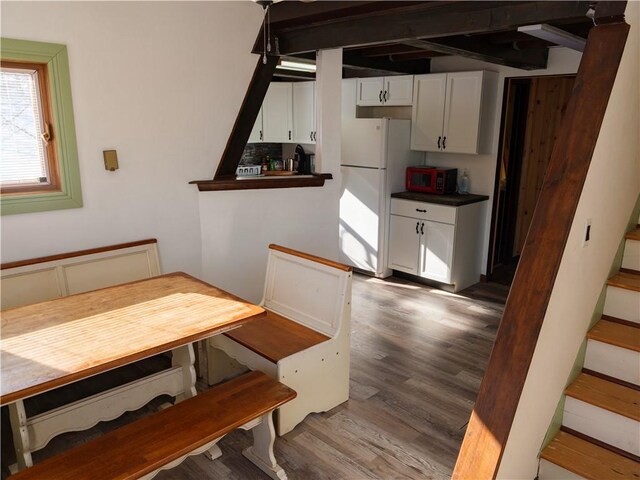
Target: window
38	153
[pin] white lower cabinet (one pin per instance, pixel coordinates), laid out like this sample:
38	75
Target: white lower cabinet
437	242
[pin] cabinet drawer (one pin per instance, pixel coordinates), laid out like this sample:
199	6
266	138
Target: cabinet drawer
423	211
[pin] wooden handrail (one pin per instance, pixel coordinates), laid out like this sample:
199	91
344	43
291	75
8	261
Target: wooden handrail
524	313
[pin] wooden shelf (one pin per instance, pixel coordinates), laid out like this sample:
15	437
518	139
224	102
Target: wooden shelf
315	180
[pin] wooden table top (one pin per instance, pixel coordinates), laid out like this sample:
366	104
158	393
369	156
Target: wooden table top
53	343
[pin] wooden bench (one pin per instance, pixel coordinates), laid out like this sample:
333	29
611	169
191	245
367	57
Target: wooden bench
40	279
164	439
302	340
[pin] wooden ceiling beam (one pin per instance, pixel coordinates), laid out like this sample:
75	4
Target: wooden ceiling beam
459	19
409	67
470	47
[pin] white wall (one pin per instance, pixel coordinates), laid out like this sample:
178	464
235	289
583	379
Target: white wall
238	226
482	168
160	82
609	195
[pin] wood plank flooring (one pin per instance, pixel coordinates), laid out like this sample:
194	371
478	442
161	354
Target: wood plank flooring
417	359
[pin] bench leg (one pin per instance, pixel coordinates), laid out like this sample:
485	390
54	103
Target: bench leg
261	453
18	419
184	357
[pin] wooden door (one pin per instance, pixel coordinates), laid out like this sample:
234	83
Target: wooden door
548	101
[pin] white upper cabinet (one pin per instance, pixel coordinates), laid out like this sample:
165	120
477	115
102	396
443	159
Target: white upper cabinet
277	113
387	91
304	112
452	111
256	133
370	91
398	90
428	108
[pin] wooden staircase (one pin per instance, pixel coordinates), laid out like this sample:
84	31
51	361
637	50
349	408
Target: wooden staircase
600	433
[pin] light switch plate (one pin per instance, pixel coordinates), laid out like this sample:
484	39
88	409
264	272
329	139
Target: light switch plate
110	160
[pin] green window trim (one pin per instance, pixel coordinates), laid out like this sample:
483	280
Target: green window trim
70	195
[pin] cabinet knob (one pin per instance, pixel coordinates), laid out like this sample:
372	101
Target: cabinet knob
422	229
289	134
260	135
386	95
439	138
380	96
420	210
311	136
444	143
417	227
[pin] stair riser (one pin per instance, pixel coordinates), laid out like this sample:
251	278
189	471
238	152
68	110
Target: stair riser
551	471
608	427
614	361
622	303
631	257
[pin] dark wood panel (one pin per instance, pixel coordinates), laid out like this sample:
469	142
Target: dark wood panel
478	49
79	253
449	19
548	100
231	183
501	387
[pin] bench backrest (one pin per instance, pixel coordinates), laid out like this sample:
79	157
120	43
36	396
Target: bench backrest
46	278
311	290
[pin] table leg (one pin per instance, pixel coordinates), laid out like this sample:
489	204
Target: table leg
185	358
18	419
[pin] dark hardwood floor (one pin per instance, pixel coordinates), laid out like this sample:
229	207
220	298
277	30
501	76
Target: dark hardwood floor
417	358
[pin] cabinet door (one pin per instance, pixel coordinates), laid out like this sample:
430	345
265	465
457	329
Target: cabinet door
304	119
462	112
370	91
256	133
277	114
436	251
428	111
398	90
404	244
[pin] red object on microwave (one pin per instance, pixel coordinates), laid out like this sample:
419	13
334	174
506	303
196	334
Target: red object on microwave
432	180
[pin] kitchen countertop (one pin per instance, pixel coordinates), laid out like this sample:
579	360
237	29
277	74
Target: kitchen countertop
453	200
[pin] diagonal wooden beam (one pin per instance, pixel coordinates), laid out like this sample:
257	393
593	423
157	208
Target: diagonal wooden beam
246	118
456	19
504	379
472	47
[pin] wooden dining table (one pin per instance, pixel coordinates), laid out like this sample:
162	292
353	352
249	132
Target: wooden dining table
54	343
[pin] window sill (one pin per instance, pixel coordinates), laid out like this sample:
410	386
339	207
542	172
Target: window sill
315	180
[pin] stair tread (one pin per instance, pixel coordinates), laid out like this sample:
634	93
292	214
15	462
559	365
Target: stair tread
626	280
633	234
616	334
610	396
589	460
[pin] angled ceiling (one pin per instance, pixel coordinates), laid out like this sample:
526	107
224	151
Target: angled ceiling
398	37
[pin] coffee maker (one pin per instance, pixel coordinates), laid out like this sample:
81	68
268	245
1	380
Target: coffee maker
304	165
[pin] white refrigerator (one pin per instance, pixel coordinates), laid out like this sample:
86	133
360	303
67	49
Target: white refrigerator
375	155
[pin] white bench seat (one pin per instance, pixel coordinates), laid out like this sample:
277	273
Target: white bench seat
303	340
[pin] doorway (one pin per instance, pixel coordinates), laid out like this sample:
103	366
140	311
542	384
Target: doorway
533	108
